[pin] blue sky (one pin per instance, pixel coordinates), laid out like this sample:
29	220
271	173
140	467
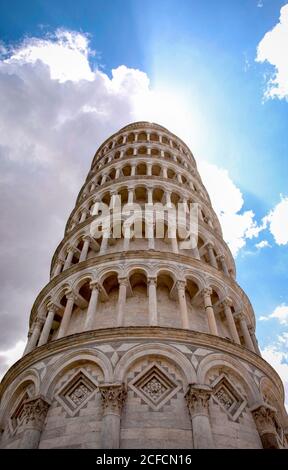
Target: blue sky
208	65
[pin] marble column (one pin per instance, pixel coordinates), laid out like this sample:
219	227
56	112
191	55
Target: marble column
59	265
130	196
39	322
210	311
264	419
83	215
168	198
150	195
113	199
52	309
67	315
164	172
149	169
92	307
123	284
254	340
152	294
85	248
34	412
149	228
223	265
69	258
245	332
133	170
226	305
113	398
197	399
173	237
182	304
127	237
104	243
211	255
103	180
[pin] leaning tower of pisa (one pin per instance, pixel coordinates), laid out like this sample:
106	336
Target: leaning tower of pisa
139	341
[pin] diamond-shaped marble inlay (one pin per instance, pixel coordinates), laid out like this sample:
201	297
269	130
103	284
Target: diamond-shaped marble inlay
225	398
154	386
77	392
18	413
228	397
154	389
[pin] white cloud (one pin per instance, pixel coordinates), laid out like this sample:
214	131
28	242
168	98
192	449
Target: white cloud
273	49
10	356
278	359
260	3
227	201
280	313
67	57
262	244
277	220
54	112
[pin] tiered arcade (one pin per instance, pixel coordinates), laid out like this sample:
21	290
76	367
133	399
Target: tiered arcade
138	342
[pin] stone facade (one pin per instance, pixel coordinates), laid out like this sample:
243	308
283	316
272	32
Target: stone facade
137	342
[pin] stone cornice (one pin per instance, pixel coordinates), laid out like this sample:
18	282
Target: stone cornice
143	255
134	333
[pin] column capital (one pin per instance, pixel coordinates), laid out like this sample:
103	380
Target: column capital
39	321
264	415
71	249
180	284
152	280
239	316
221	257
206	291
52	307
70	295
35	411
95	285
113	397
226	302
209	244
123	281
86	238
197	398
